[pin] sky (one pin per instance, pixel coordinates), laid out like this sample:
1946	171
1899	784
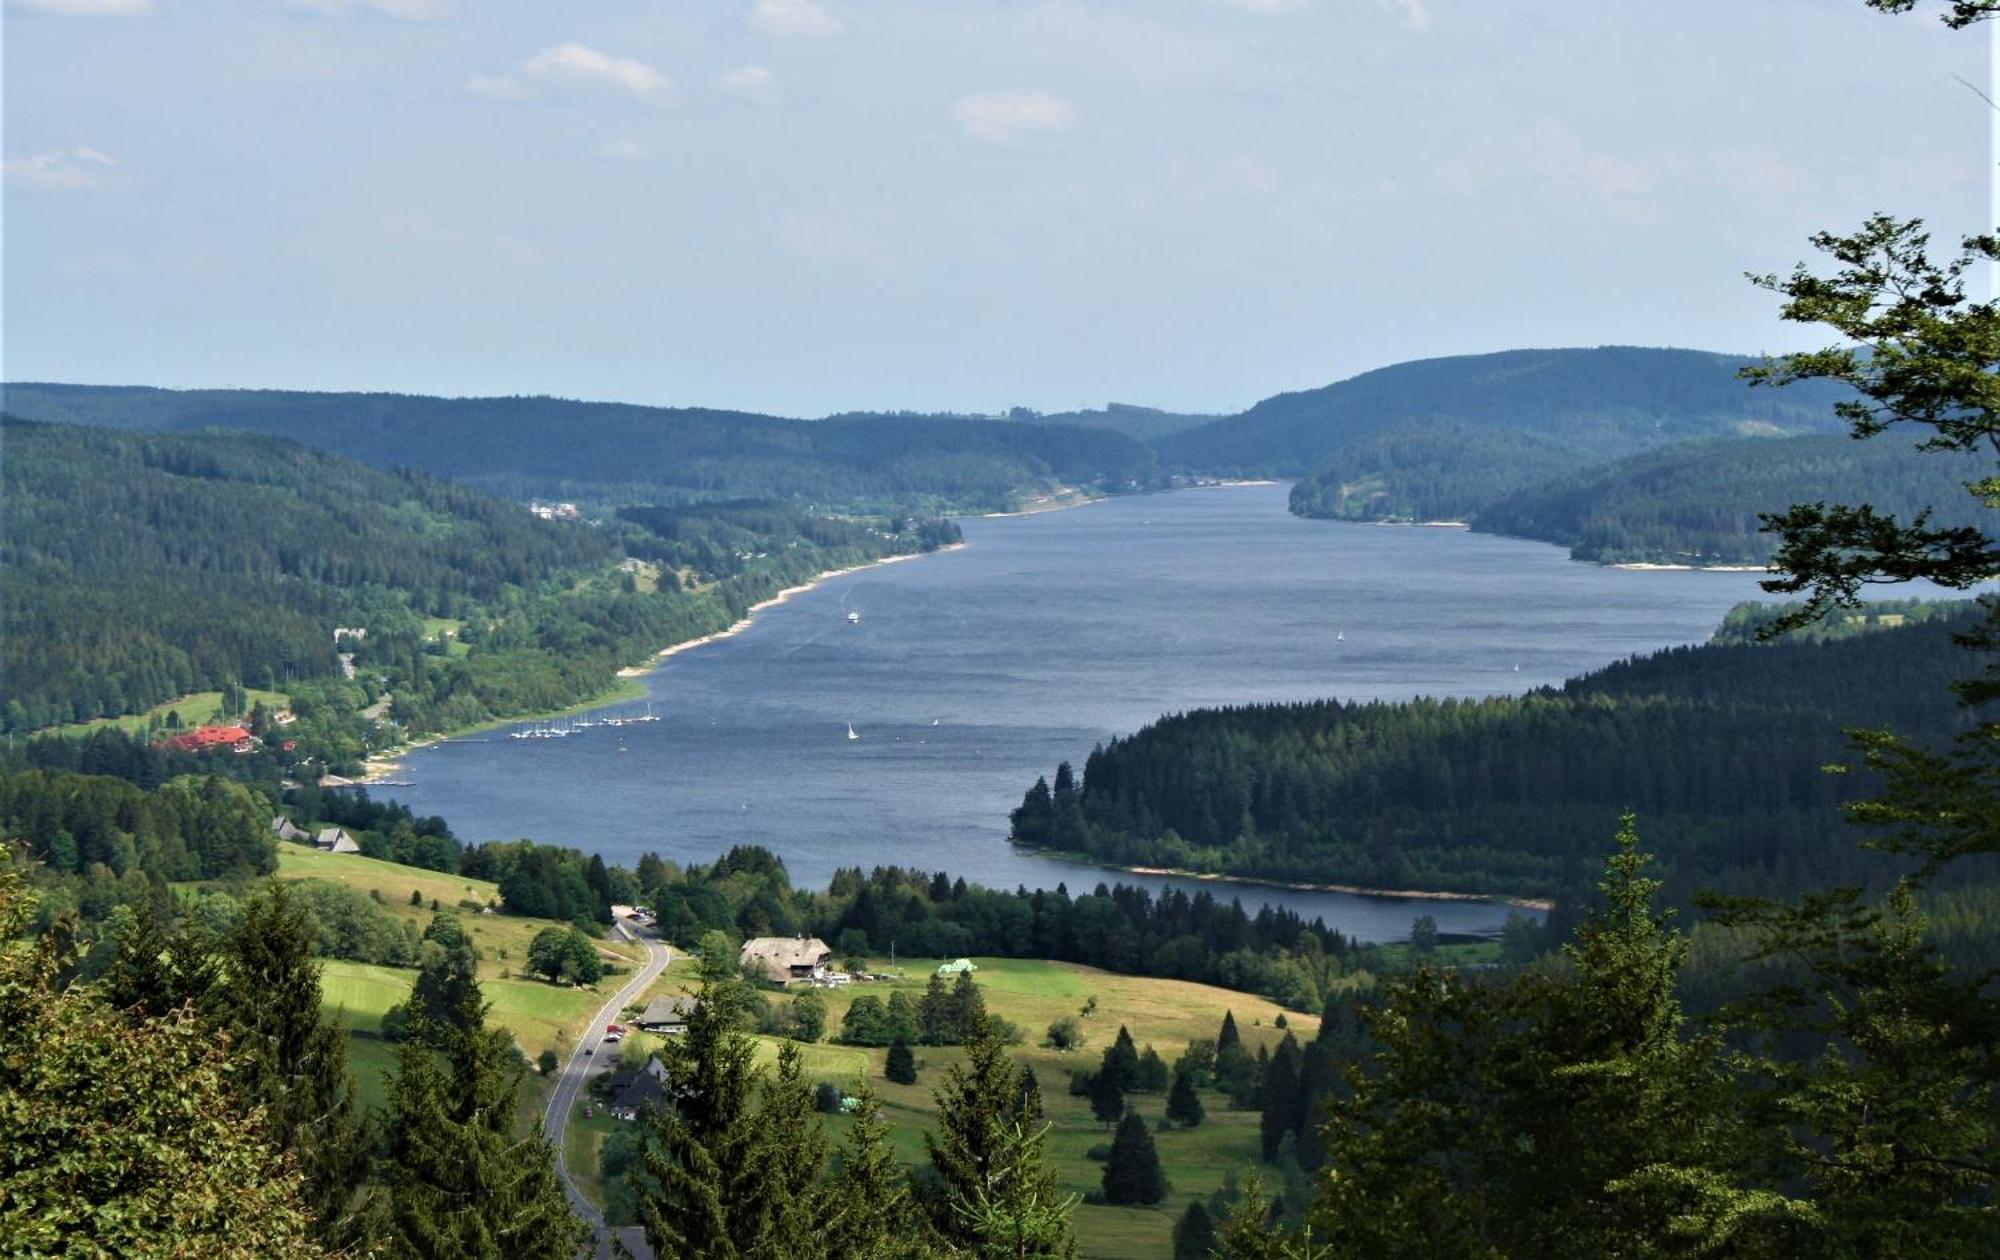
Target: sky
809	206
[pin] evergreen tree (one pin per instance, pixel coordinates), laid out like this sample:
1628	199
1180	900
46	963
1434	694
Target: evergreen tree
997	1196
458	1182
869	1213
1561	1111
1121	1062
703	1195
936	1014
1151	1075
1228	1039
790	1154
902	1065
1107	1101
1194	1232
1184	1102
1132	1174
1282	1101
290	1059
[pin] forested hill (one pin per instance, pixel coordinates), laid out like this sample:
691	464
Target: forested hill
142	567
1720	749
1698	502
1604	402
617	453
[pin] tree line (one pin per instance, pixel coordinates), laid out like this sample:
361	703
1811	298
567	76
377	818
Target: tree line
1721	747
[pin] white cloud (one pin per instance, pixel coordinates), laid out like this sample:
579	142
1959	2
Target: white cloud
794	19
85	8
754	84
81	167
1267	6
1012	117
624	149
575	65
403	10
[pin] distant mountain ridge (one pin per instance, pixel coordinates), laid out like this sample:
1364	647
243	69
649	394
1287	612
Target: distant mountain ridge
1443	438
520	447
1607	401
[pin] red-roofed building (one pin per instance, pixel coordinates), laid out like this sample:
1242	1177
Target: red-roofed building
205	738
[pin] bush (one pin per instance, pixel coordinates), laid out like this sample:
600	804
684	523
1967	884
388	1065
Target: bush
902	1065
827	1098
547	1062
1067	1034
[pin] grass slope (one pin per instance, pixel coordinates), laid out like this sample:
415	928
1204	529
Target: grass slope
540	1015
1165	1014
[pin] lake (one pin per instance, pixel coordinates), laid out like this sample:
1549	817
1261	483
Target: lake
969	673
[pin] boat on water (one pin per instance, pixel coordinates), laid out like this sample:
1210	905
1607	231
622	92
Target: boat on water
850	731
853	618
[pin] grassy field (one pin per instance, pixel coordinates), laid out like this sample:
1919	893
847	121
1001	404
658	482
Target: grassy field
540	1015
1165	1014
196	709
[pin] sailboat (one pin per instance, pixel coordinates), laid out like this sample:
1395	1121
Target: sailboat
935	721
850	731
1339	636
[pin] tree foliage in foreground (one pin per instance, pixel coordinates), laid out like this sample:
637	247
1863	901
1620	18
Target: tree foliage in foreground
125	1136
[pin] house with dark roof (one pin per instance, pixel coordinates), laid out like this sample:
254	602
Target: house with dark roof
644	1090
285	829
335	840
666	1015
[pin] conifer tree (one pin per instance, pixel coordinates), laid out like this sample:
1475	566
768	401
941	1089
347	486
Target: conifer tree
1279	1093
458	1181
1184	1102
704	1196
291	1059
998	1197
902	1065
1228	1037
1132	1174
869	1213
1121	1062
790	1155
1107	1101
1194	1232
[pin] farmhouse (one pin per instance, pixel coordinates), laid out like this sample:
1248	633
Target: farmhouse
335	840
666	1015
633	1092
787	959
285	829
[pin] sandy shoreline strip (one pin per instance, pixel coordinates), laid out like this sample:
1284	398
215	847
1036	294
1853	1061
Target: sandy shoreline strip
640	671
385	763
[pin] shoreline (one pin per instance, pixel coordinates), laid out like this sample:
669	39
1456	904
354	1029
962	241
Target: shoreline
1541	904
380	766
1648	566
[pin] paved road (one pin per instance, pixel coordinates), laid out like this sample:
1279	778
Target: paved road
569	1086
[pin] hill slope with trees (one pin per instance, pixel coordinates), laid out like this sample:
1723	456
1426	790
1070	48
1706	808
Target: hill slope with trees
1720	748
1698	503
619	453
1602	402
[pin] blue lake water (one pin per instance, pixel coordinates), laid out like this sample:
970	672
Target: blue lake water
971	672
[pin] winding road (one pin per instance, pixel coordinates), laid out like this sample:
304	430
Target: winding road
562	1101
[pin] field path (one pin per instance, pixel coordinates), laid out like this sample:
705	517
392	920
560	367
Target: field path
562	1101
